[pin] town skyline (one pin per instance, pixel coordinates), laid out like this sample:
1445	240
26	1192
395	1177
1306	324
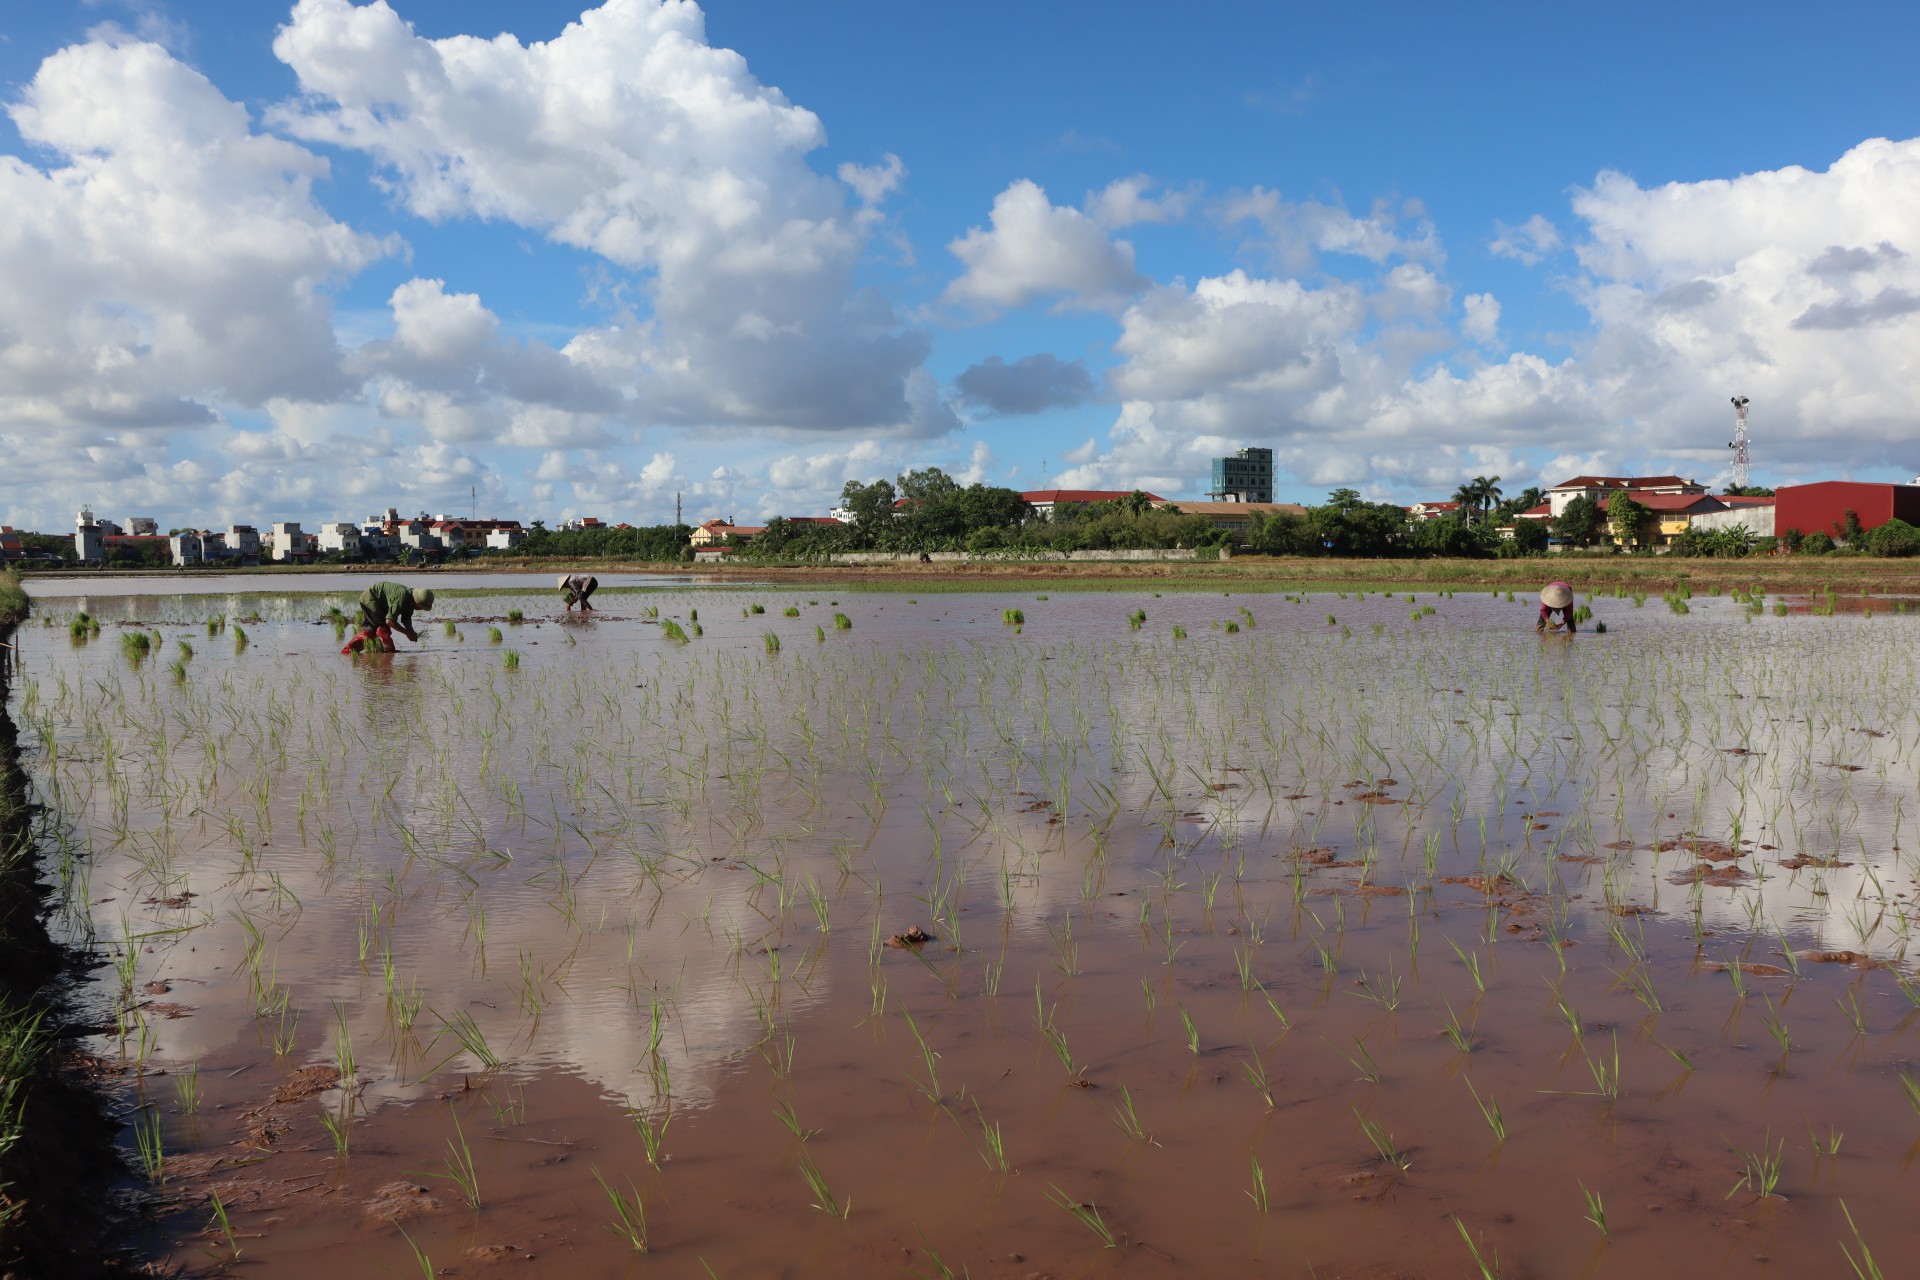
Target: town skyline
301	257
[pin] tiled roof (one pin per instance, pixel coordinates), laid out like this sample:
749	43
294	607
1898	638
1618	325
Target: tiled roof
1039	496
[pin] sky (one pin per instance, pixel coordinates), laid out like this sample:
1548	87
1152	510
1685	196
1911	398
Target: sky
269	261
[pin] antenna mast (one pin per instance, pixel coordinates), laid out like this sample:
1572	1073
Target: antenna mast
1739	442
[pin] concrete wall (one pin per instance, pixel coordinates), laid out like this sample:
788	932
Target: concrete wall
1759	520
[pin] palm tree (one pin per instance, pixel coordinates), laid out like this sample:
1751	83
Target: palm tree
1478	496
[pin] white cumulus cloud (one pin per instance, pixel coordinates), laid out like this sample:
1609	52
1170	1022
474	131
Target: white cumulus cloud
1037	249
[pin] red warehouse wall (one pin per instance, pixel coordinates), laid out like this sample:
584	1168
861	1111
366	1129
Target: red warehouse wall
1822	507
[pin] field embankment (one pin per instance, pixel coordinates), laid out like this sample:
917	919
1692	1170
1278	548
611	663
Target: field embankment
56	1145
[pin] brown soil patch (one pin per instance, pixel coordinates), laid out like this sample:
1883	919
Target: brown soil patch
1799	860
399	1201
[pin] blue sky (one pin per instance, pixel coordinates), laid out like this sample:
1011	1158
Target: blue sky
279	262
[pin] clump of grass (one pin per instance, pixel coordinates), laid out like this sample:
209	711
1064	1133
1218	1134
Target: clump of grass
671	630
841	622
1179	632
820	634
771	641
513	660
239	638
1086	1214
790	611
1136	619
136	645
629	1215
494	635
1013	617
1233	628
515	617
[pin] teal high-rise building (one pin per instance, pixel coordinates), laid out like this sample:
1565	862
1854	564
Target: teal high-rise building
1246	476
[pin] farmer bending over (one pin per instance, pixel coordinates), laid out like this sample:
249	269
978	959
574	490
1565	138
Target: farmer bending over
1556	597
386	607
578	588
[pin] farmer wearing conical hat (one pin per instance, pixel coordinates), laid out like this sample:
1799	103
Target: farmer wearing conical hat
386	607
578	588
1556	597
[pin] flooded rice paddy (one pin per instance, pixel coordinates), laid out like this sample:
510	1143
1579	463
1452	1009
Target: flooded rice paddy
1302	935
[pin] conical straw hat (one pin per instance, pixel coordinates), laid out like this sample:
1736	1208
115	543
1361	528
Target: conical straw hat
1556	595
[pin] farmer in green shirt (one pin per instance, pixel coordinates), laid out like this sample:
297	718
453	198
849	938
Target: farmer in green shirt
386	607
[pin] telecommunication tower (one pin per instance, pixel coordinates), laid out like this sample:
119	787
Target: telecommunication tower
1739	442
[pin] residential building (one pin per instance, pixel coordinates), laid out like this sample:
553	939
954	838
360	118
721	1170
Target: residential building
288	543
187	547
417	536
11	545
843	515
1823	507
1431	510
1043	501
340	538
243	543
1672	513
89	540
580	524
376	543
142	526
1600	488
505	538
716	532
1246	475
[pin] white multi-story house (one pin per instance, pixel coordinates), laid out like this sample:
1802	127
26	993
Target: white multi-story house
340	537
288	542
187	547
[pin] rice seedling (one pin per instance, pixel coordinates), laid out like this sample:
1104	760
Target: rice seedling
495	635
220	1219
512	657
1127	1120
1086	1214
823	1198
673	631
1863	1267
1487	1264
770	641
148	1144
1910	1087
458	1166
1490	1112
420	1258
1255	1071
1382	1142
1759	1170
1258	1192
1012	617
841	622
629	1214
1596	1209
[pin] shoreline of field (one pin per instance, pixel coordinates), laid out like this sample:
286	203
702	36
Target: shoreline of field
57	1173
1595	574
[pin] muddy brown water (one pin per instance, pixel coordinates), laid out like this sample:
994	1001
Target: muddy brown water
1237	883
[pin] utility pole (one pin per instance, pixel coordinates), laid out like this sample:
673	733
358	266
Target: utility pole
676	508
1739	442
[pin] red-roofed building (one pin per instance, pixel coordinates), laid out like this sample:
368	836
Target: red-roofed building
716	532
1600	488
1043	501
1431	510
